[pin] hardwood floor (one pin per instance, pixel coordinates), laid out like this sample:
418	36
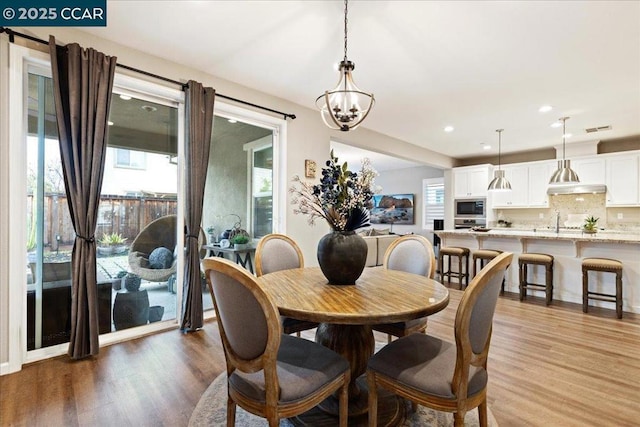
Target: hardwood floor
548	366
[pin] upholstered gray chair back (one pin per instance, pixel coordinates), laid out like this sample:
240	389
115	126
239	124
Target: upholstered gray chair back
482	314
240	316
278	254
485	289
412	254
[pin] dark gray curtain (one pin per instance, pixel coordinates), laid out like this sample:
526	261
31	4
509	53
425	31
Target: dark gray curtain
82	85
199	101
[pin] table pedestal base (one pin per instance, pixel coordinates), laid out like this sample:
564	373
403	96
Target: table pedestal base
356	344
392	411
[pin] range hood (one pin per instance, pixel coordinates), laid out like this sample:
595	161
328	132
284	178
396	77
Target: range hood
577	189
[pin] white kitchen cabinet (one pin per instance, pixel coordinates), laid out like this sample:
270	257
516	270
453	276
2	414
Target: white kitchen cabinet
470	181
539	175
590	170
517	175
623	180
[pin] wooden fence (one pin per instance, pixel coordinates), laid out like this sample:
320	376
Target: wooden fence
126	215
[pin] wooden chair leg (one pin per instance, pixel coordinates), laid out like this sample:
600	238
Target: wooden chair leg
466	271
344	402
231	412
460	276
373	399
585	291
482	414
619	294
449	272
549	283
458	418
521	281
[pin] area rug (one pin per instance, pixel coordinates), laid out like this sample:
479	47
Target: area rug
211	410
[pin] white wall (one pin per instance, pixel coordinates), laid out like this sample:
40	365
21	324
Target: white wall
158	176
307	136
403	181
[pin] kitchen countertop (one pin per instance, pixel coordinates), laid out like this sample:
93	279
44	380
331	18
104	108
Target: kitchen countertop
547	234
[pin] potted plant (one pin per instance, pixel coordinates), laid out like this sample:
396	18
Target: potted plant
590	225
117	283
111	243
240	241
132	282
211	231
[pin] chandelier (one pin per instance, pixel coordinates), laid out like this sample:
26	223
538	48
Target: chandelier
564	174
345	107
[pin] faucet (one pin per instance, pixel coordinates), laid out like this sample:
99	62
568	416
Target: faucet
557	222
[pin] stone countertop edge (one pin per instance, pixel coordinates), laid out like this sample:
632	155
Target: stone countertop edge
601	236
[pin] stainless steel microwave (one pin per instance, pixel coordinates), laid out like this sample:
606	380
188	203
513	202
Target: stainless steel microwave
470	208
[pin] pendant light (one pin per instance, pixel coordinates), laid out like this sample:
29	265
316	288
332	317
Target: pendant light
564	174
345	107
499	182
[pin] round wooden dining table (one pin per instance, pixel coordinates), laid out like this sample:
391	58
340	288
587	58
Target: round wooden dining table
346	313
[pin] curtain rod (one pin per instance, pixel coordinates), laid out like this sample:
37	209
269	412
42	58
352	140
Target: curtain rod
12	35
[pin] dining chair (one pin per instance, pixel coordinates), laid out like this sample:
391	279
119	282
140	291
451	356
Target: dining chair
439	374
269	374
413	254
277	252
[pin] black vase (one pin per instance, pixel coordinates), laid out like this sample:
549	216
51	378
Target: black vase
342	256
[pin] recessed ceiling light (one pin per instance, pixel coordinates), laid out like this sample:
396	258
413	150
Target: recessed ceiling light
110	123
486	147
232	121
568	135
556	124
448	129
125	97
545	108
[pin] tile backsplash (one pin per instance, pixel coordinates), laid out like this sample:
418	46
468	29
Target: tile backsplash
627	218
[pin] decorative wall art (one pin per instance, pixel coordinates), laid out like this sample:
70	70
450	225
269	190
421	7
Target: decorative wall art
392	209
309	169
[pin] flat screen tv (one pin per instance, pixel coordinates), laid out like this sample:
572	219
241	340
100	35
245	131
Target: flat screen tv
392	209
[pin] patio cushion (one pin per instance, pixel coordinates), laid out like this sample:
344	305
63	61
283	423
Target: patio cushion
160	258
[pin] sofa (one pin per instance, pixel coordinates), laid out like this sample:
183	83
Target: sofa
377	246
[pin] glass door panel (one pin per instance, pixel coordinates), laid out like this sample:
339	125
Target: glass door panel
137	217
50	234
262	192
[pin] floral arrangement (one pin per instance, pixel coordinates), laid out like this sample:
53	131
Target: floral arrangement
343	198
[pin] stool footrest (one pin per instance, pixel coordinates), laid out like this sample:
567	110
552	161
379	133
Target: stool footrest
534	286
602	297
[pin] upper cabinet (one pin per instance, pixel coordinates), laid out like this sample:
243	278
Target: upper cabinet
590	170
623	180
539	175
529	182
470	181
517	197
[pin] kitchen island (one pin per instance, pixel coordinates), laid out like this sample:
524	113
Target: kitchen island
568	248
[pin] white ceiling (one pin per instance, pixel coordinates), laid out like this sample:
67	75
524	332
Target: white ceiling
477	66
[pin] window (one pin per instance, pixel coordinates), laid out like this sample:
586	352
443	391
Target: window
130	159
433	191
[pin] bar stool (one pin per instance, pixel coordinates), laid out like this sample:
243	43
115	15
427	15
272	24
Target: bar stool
608	266
524	260
463	255
484	256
